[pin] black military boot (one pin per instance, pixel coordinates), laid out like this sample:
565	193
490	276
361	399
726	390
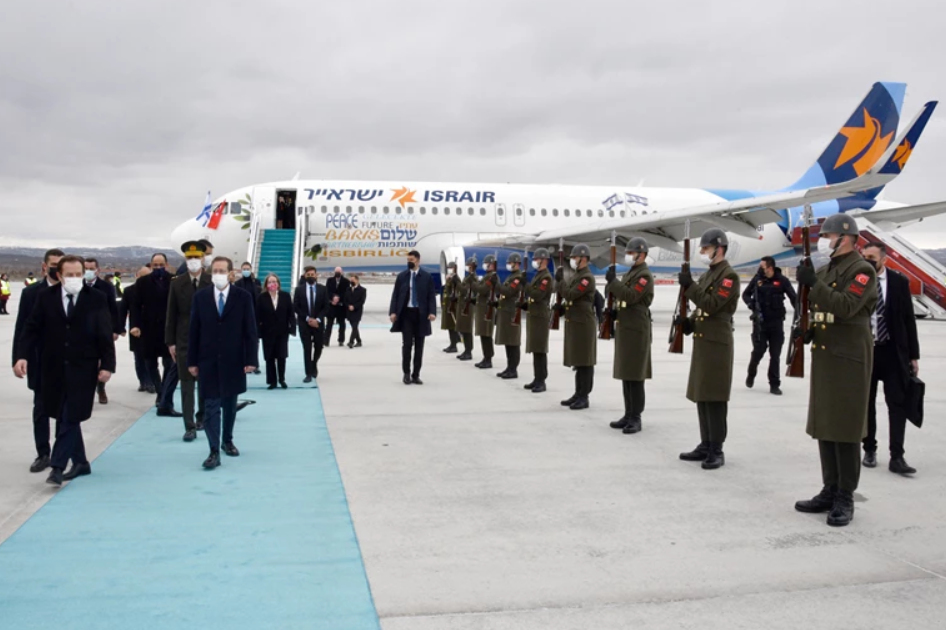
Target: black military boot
503	373
580	403
452	348
465	356
538	388
530	385
510	374
633	425
485	364
843	511
620	424
822	502
570	401
698	454
714	457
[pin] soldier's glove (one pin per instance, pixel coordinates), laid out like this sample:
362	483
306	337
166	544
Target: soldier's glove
685	323
612	274
559	275
524	306
809	335
806	275
685	278
753	317
561	309
473	301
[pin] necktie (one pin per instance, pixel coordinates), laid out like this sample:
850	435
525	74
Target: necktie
413	290
70	306
882	334
220	305
311	301
195	284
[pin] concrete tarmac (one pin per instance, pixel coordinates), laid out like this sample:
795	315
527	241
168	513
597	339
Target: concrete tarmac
478	504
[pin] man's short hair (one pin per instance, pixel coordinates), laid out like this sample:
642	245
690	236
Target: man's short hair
156	254
769	261
223	259
246	263
65	260
206	243
52	252
94	261
308	269
414	253
879	246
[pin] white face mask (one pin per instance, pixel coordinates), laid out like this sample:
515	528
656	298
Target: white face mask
825	247
706	259
90	275
208	261
221	280
194	265
536	265
509	267
574	263
485	266
629	260
451	273
72	285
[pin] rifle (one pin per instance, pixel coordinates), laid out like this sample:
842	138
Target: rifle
607	324
796	348
469	299
454	290
492	297
676	330
554	323
517	318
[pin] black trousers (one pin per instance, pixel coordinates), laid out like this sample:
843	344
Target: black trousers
41	426
169	385
311	348
513	357
840	464
772	339
584	380
412	342
454	338
467	342
144	376
69	443
217	407
540	366
151	363
486	345
633	397
713	425
355	335
334	316
887	369
275	371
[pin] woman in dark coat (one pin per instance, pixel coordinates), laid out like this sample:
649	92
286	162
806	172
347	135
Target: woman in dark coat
276	322
357	295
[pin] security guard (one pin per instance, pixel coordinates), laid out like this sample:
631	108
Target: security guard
581	325
5	293
633	331
539	294
842	297
448	303
486	289
117	281
765	296
509	333
30	279
715	297
465	309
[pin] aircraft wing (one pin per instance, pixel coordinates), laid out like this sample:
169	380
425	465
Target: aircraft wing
894	218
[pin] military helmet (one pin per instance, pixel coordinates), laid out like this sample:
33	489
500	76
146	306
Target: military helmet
580	250
637	245
471	261
489	260
514	258
541	254
840	224
451	265
714	236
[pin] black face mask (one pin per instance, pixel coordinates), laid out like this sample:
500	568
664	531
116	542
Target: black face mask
310	281
410	265
53	273
878	266
338	275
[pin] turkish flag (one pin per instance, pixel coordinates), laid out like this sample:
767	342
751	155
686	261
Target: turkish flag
216	215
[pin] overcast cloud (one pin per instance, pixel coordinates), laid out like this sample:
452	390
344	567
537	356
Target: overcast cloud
118	117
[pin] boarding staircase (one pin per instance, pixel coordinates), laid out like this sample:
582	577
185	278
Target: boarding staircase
275	255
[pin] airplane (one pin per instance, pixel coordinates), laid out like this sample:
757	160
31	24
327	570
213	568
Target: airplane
370	226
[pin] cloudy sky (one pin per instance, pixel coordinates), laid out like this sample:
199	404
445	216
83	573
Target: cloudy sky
118	117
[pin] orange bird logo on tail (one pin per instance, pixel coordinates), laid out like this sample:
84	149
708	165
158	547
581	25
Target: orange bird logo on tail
863	143
902	154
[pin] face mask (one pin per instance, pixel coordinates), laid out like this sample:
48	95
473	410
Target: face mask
247	273
706	259
630	260
207	262
89	275
878	266
410	265
158	273
194	265
508	267
574	263
72	285
485	266
53	273
310	281
450	274
221	280
272	286
338	275
535	265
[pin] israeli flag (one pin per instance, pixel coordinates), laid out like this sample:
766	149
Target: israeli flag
204	215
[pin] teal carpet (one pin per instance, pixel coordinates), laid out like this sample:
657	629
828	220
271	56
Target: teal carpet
151	540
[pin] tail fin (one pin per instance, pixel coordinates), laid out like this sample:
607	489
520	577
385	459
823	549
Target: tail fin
898	159
862	140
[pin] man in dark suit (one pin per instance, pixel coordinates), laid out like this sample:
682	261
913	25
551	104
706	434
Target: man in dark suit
177	329
27	303
413	307
128	297
896	357
356	308
248	282
337	288
73	325
311	304
148	318
107	289
222	350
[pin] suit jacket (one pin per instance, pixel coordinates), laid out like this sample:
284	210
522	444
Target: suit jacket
401	298
180	300
149	313
27	303
250	285
341	288
356	298
275	324
108	290
300	305
128	297
73	350
220	346
901	323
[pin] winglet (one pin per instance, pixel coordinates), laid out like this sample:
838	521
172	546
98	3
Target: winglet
904	148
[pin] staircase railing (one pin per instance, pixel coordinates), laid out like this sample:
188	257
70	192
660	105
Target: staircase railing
252	253
298	249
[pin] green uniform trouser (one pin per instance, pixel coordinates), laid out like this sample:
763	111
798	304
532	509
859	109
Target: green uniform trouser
512	357
840	464
584	380
486	343
540	366
467	342
633	397
713	421
454	338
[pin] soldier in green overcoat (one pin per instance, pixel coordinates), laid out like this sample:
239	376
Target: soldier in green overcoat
508	331
715	298
487	294
449	301
466	310
539	294
842	298
581	325
633	331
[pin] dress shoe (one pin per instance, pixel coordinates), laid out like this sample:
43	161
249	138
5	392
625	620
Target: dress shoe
243	404
271	386
870	460
633	425
714	458
529	385
621	423
307	379
190	435
750	381
77	470
843	510
899	465
150	389
538	388
568	401
257	371
450	349
416	380
510	374
199	426
580	403
485	364
358	344
169	413
407	379
212	461
283	385
698	454
40	464
55	477
142	388
350	345
341	343
821	502
230	449
775	391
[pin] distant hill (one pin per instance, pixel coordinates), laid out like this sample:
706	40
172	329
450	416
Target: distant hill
18	261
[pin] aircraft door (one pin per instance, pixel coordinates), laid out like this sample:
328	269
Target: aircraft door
519	214
264	205
500	214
